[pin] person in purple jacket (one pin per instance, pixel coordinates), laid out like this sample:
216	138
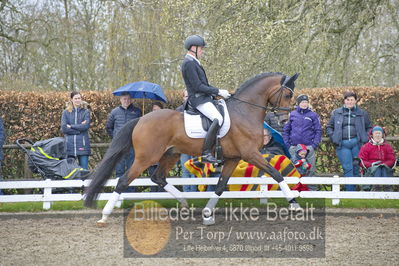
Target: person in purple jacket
303	127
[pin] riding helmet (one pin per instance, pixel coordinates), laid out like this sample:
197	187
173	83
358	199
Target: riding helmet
194	40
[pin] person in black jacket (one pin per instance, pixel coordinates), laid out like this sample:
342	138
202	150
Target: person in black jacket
270	146
118	117
200	93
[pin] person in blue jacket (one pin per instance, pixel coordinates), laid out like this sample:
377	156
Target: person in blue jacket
118	117
75	124
348	130
303	127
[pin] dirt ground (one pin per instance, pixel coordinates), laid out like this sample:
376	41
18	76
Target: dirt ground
353	237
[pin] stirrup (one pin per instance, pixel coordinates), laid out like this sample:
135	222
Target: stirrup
209	158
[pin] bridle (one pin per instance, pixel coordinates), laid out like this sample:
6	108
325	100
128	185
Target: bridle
273	108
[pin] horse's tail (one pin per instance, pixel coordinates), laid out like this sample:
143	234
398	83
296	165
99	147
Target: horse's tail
120	146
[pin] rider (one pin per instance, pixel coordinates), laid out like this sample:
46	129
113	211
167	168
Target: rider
200	93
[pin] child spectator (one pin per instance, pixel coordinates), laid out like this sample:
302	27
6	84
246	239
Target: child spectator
300	160
303	166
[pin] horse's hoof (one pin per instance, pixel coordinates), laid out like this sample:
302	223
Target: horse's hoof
102	223
294	207
210	220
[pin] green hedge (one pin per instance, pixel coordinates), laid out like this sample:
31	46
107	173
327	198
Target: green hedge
37	115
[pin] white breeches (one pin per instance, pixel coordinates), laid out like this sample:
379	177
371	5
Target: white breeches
210	111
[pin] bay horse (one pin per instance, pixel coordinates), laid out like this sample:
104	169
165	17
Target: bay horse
160	137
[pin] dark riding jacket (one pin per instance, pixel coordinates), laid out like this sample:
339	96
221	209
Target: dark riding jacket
198	88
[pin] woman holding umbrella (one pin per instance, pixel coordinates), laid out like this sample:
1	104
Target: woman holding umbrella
200	93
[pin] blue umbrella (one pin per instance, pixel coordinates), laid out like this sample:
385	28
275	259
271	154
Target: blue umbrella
144	90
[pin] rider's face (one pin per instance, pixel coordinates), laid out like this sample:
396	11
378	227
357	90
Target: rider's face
200	51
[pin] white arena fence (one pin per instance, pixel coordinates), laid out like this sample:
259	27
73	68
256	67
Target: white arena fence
263	194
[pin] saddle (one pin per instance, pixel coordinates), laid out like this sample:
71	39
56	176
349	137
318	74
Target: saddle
205	121
196	124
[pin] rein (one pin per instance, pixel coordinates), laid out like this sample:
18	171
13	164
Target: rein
274	108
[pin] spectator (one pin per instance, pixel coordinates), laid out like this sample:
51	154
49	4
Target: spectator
75	124
155	107
303	127
185	157
270	146
378	156
272	120
2	141
347	129
118	117
300	160
303	167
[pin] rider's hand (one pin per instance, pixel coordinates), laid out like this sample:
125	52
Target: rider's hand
224	93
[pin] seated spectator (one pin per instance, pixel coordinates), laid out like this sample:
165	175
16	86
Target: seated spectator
270	146
378	157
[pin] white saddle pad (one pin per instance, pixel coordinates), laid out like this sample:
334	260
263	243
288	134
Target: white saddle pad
193	124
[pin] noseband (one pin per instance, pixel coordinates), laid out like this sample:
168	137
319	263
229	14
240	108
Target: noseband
273	108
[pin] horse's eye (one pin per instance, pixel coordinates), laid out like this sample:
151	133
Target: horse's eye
288	96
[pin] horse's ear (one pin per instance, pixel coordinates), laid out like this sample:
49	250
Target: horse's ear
290	82
282	81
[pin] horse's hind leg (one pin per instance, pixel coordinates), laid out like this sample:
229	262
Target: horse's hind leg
208	212
168	160
135	170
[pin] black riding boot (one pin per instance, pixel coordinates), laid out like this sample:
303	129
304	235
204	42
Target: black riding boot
209	143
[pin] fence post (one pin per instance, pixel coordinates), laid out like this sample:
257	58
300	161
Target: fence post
335	188
47	193
263	188
118	204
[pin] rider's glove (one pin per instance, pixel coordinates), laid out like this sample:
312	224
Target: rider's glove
224	93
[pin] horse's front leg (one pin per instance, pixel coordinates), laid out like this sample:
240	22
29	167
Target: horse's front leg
208	214
257	159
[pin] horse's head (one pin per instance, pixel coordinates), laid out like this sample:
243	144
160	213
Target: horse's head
280	97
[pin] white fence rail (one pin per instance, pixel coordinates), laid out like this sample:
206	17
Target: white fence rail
335	194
